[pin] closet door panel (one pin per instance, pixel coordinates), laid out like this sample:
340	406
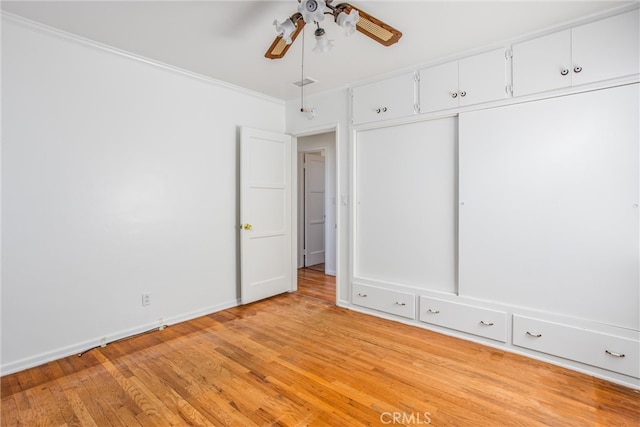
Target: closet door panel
548	213
606	49
542	64
405	204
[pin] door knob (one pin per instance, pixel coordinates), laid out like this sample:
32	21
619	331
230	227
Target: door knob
247	227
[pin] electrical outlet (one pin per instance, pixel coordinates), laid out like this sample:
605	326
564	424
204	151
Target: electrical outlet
146	298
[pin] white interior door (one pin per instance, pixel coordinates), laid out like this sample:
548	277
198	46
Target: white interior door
265	214
314	195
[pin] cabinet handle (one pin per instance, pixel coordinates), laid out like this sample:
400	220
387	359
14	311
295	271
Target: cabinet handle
564	72
362	295
534	335
454	94
577	69
400	303
463	94
384	109
482	322
378	110
433	311
610	353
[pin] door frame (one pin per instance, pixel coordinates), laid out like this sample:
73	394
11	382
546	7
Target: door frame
335	128
301	203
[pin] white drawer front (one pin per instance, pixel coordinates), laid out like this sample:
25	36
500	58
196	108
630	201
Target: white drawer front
393	302
606	351
466	318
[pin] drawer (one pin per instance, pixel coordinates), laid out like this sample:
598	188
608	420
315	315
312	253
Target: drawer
389	301
465	318
605	351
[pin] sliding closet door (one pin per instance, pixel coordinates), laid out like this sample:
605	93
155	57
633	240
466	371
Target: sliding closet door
548	215
405	205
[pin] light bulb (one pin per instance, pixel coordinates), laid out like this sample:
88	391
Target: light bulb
285	29
348	21
323	44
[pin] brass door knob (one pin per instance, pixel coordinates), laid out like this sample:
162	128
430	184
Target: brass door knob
247	227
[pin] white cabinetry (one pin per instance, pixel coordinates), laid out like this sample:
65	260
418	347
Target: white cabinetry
473	80
466	318
386	300
594	348
405	204
598	51
391	98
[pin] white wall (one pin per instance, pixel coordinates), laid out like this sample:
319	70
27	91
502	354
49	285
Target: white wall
119	177
332	113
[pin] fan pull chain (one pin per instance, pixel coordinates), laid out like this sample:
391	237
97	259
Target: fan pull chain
302	109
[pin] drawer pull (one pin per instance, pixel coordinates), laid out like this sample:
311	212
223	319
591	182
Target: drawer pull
534	335
362	295
400	303
610	353
482	322
433	311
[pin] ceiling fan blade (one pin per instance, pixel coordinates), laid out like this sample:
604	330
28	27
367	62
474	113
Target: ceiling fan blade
279	46
372	27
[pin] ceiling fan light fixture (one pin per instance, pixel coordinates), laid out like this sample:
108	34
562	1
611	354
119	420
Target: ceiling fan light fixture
284	29
323	44
348	21
312	10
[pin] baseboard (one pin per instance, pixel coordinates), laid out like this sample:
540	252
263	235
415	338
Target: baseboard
78	348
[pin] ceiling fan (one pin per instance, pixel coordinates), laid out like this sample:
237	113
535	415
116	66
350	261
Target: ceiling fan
347	16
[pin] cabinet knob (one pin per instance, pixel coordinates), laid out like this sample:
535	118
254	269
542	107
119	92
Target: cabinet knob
384	109
577	69
564	72
378	110
454	94
463	93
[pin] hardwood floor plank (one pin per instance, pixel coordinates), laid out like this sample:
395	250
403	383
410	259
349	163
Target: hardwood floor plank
297	359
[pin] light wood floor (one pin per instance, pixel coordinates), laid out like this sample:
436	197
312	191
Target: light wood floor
296	359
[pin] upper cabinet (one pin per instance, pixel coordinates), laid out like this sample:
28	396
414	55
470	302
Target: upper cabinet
472	80
391	98
601	50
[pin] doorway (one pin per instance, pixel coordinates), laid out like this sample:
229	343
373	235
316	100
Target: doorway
317	202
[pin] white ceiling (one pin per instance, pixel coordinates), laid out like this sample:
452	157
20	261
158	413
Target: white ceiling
226	40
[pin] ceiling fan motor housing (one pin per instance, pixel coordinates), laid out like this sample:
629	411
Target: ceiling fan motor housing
312	10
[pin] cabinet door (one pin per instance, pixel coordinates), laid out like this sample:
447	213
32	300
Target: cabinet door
387	99
606	49
405	207
482	78
542	64
439	87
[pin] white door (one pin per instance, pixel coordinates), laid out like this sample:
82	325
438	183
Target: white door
542	64
314	221
265	214
483	77
606	49
439	87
